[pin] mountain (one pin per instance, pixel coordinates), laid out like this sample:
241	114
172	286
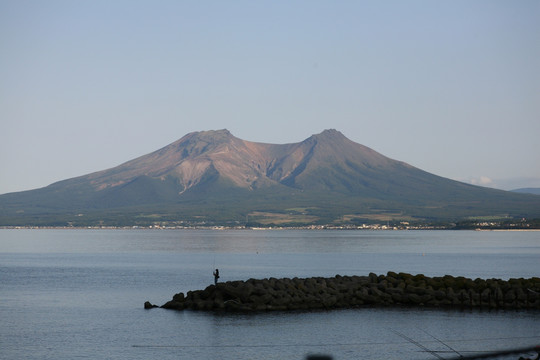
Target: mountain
212	177
535	191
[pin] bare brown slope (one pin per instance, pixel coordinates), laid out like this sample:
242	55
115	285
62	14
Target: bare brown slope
246	164
331	151
191	158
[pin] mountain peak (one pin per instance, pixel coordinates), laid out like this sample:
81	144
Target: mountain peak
331	133
210	135
216	133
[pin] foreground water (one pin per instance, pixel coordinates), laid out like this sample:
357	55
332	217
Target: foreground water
67	294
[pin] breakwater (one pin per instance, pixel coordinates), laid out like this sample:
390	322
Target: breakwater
392	289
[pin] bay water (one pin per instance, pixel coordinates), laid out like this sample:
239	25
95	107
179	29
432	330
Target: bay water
69	294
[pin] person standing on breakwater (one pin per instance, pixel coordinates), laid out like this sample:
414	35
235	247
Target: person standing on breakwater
216	276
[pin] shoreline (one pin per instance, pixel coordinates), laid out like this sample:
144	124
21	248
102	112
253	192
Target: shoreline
225	228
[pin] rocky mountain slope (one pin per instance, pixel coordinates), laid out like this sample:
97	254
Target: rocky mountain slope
214	177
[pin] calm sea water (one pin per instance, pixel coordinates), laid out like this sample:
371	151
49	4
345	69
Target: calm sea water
68	294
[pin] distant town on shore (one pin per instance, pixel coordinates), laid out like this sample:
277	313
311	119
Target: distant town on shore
502	225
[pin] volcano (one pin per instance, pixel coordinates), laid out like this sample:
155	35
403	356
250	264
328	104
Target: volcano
213	177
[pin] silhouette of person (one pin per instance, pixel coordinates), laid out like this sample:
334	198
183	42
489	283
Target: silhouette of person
216	276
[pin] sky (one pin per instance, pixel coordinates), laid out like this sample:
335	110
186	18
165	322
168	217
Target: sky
451	87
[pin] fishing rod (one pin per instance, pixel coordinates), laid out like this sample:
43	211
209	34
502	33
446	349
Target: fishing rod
434	353
448	346
496	354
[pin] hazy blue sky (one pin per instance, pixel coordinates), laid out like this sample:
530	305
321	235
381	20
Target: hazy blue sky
451	87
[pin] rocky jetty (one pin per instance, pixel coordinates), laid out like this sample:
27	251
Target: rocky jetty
393	289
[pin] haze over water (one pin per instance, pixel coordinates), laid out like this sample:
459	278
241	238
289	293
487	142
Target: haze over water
80	293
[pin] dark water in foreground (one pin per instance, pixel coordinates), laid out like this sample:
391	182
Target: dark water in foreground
68	294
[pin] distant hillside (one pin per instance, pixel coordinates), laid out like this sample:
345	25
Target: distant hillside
212	177
535	191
